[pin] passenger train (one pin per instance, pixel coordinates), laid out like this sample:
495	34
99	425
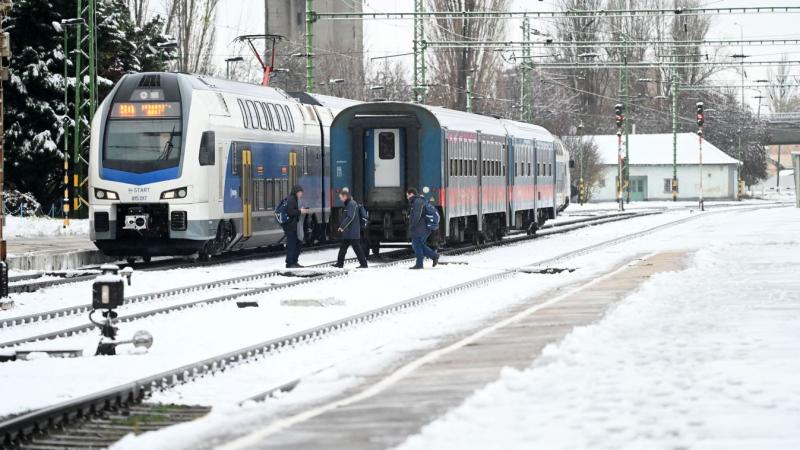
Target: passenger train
485	175
183	164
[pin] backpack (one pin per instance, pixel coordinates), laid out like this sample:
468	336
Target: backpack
363	215
431	217
281	211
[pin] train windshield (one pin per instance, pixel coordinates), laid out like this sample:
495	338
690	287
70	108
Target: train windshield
142	145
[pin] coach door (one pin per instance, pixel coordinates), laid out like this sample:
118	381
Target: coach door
386	154
247	193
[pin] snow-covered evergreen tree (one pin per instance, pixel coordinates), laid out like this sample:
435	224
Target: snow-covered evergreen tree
34	106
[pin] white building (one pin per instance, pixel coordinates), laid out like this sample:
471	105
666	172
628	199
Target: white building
651	159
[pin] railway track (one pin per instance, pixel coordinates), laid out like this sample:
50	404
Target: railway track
122	400
395	257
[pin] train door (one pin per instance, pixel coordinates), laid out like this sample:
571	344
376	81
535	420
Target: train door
247	193
386	157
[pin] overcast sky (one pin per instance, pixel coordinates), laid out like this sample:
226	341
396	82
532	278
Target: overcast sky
387	37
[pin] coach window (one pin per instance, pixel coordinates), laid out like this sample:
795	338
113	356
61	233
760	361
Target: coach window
251	109
234	159
277	116
265	123
245	116
289	118
262	119
268	116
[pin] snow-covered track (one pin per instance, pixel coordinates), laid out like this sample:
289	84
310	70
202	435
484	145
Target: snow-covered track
398	257
36	285
29	425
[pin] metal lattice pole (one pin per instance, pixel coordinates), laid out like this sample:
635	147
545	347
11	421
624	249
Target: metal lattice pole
526	100
419	52
85	101
310	19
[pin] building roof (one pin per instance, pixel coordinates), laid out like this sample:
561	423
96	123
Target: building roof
656	149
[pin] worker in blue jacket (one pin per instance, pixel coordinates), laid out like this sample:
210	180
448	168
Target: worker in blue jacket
350	230
418	229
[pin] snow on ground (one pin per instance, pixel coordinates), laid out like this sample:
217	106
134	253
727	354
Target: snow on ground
334	364
209	329
704	358
31	227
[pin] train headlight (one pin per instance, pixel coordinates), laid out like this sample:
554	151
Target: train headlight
174	193
103	194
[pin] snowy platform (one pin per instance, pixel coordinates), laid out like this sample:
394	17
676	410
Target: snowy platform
449	375
53	253
36	243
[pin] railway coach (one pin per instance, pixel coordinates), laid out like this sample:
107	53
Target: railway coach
182	164
485	175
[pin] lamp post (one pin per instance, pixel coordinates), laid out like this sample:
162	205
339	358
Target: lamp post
228	62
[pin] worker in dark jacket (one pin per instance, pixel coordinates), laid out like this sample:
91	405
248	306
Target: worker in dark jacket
418	229
350	230
290	228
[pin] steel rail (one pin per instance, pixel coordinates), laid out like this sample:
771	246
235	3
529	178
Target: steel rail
86	327
26	425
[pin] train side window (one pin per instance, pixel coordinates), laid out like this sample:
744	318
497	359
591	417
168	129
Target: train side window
269	116
266	123
251	109
260	116
207	144
245	116
289	117
278	124
234	159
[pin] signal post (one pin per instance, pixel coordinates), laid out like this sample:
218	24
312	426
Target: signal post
619	116
700	121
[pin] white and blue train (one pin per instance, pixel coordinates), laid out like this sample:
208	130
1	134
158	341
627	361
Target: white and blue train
183	164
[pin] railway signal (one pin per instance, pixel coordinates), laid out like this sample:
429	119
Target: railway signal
619	117
701	119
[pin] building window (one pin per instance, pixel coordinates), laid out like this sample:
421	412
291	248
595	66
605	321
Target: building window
668	186
602	182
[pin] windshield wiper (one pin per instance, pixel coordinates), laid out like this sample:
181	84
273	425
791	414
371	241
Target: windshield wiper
168	146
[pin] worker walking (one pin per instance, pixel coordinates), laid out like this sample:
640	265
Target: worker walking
419	227
350	230
291	211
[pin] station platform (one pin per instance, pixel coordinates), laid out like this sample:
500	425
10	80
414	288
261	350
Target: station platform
399	401
52	253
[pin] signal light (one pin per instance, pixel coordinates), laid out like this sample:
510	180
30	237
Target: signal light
619	115
701	118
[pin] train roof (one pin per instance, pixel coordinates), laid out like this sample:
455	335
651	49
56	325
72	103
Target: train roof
451	119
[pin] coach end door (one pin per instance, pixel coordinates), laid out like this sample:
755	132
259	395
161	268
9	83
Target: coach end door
386	157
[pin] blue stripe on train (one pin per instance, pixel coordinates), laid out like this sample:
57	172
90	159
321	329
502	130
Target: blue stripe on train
140	178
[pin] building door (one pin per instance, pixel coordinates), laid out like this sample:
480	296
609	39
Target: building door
386	154
638	188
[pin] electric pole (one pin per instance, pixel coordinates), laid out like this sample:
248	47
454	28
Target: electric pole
419	87
5	53
526	100
310	19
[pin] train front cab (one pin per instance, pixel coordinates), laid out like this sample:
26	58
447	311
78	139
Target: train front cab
378	151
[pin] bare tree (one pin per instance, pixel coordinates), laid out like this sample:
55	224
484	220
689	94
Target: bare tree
450	67
139	11
390	81
783	92
192	22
